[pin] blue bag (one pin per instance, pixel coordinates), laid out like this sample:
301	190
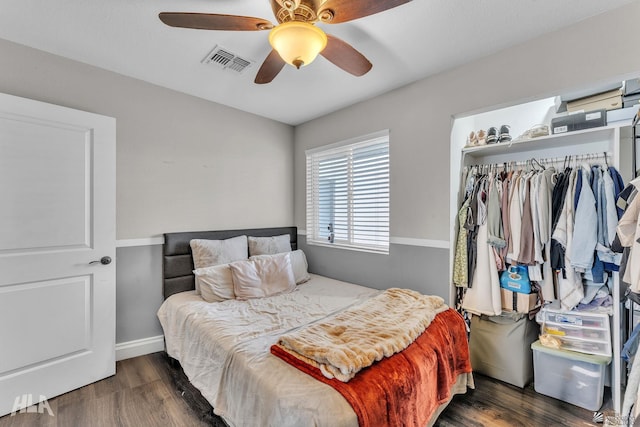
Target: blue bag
516	279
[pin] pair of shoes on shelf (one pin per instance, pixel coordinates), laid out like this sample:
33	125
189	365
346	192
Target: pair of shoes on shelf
495	136
538	131
472	140
535	132
482	137
504	133
476	138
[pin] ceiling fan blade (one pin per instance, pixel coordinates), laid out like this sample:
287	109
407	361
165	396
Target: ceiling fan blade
337	11
346	57
270	68
213	21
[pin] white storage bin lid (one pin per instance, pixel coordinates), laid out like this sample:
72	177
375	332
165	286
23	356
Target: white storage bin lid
573	355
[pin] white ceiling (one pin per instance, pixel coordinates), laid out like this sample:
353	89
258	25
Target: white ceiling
404	44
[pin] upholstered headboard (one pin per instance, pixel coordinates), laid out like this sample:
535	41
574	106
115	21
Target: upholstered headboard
177	261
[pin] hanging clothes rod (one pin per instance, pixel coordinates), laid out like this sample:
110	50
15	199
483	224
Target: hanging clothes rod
541	163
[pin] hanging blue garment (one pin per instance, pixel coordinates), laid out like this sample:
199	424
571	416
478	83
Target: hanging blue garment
631	346
585	228
618	185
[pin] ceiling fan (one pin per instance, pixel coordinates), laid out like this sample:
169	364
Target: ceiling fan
295	40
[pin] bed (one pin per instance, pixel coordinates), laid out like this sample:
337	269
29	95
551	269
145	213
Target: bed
227	349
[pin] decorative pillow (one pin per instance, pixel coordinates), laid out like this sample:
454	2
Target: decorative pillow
269	245
207	253
262	277
298	264
215	283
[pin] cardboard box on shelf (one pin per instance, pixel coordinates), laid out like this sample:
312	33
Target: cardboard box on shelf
518	302
631	86
578	121
607	100
630	100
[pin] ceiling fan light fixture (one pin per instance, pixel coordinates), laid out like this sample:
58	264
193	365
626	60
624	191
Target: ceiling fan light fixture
298	43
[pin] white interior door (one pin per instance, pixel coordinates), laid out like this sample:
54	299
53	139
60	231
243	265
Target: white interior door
57	215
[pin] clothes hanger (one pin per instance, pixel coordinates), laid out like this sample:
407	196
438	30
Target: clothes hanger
537	163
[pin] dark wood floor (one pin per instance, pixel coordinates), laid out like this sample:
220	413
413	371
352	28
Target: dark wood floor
498	404
144	394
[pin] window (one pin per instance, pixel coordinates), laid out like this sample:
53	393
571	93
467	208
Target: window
348	194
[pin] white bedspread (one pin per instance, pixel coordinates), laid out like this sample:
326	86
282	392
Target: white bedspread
224	350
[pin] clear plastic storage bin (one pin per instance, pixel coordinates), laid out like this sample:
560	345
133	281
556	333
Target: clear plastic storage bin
570	376
584	319
578	331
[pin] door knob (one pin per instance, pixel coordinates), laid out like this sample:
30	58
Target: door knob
105	260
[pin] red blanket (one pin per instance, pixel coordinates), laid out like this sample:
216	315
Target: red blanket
406	388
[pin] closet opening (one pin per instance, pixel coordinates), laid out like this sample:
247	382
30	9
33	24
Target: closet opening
542	143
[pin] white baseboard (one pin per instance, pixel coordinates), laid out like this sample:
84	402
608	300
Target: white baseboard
129	349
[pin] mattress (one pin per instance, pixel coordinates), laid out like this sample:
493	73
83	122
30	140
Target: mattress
224	349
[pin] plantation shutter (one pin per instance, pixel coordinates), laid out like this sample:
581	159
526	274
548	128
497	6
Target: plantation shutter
348	195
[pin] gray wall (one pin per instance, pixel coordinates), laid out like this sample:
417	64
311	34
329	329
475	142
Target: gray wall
183	163
419	118
415	267
139	292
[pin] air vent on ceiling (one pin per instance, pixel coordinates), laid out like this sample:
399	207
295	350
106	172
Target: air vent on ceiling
226	60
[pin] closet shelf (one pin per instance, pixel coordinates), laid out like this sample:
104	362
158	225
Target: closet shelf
582	137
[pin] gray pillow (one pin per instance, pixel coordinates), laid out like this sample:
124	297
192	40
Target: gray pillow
262	276
215	283
269	245
298	264
207	253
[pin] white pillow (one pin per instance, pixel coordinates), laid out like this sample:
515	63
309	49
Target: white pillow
269	245
298	264
263	277
215	283
207	253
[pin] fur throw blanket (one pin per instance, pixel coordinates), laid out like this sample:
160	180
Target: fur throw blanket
355	338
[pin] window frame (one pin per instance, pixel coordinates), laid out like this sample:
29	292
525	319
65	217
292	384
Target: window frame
313	191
